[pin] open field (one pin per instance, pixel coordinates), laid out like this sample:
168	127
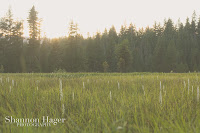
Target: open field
92	102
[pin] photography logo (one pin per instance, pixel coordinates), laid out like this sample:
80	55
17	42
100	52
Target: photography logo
45	121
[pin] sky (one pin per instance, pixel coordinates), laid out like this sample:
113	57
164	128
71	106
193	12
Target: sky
96	15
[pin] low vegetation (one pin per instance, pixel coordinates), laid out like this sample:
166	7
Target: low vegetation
96	102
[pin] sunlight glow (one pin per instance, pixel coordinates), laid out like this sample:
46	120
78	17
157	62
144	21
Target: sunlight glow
96	15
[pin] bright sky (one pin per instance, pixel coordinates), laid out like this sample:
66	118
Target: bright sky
96	15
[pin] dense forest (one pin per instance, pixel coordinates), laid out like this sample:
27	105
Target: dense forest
168	48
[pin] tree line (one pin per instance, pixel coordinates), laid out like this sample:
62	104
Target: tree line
168	48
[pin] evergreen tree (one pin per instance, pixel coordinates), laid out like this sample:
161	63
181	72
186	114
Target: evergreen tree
110	50
121	65
124	57
73	58
33	57
11	43
55	56
171	57
44	55
95	54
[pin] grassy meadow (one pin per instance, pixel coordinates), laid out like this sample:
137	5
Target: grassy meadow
97	102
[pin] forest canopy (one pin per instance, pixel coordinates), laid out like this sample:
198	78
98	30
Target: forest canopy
163	48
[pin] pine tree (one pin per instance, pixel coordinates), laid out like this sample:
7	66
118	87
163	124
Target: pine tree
95	54
124	57
33	25
73	56
171	56
33	57
44	55
11	43
123	33
110	50
55	56
121	65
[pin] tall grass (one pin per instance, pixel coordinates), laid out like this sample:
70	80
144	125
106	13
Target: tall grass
92	102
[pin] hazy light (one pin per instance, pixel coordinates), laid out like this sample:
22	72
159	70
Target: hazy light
96	15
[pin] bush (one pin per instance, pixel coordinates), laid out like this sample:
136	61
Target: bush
59	71
1	69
